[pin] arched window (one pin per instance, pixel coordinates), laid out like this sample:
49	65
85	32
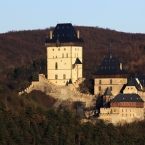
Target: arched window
56	65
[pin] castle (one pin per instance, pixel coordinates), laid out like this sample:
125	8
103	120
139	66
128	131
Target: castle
121	98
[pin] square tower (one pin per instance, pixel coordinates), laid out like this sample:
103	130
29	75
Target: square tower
64	55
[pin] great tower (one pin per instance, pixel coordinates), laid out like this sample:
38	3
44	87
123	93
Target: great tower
64	55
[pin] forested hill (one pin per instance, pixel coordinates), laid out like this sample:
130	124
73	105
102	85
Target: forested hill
22	47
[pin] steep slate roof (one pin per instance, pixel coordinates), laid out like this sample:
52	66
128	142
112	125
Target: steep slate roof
110	65
127	98
108	92
78	61
133	82
65	33
141	78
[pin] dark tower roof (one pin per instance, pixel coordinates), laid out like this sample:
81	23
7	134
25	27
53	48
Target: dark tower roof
78	61
110	65
64	33
141	78
133	82
108	92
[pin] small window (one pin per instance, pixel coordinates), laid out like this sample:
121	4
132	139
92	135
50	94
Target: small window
67	55
64	76
56	56
58	49
63	55
56	65
99	88
56	77
114	110
64	49
52	49
100	82
110	80
111	88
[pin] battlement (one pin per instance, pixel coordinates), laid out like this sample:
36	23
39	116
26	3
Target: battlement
59	92
105	110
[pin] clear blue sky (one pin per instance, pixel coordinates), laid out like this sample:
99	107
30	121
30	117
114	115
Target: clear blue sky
119	15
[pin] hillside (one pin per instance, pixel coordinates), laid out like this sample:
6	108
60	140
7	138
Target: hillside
22	47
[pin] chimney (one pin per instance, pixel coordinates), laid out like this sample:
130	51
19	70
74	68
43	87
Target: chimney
121	66
78	34
50	34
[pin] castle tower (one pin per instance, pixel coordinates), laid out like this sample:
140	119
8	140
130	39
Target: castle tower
64	54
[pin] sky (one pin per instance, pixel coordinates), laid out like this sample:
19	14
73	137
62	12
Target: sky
119	15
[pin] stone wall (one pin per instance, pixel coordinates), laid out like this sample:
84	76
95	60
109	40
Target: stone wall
61	92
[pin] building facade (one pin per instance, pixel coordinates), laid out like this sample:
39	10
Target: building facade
64	55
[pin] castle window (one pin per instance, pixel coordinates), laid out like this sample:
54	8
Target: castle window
99	88
114	110
64	76
52	49
56	77
100	82
111	88
67	55
58	49
56	65
56	56
64	49
111	81
63	55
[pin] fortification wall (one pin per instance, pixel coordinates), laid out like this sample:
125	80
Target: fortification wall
61	92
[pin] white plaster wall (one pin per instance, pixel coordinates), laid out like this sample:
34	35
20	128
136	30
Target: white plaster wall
65	57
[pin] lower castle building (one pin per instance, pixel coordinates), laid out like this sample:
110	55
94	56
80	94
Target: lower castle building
122	98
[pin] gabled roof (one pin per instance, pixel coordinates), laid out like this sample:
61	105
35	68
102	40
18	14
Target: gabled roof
64	32
110	65
108	92
133	82
78	61
141	78
127	98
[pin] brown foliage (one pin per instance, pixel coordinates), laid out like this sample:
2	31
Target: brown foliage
22	47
